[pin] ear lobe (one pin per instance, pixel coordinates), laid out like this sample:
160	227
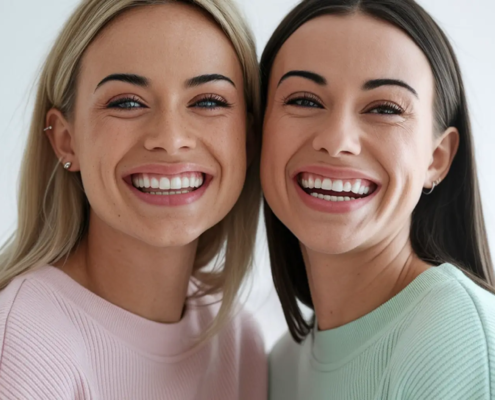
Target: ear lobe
250	139
61	139
443	156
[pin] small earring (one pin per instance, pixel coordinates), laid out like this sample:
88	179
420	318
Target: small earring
67	165
436	183
48	128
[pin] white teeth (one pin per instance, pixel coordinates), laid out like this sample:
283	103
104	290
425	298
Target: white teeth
164	183
176	183
317	183
142	181
362	189
347	187
337	186
311	183
366	190
356	186
326	184
331	198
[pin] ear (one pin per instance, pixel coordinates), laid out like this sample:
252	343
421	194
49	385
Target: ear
250	139
444	152
61	138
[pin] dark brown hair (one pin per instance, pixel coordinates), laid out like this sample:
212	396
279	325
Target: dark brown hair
448	225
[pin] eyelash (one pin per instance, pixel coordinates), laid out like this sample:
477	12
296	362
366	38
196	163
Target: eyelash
217	100
305	99
118	104
310	101
212	99
388	107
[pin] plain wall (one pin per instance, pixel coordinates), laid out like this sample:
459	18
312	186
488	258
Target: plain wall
28	28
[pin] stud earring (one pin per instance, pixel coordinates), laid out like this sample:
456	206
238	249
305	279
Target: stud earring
67	165
436	183
48	128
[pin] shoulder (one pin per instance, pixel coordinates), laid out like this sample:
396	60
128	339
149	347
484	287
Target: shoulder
246	334
39	348
238	344
447	348
283	367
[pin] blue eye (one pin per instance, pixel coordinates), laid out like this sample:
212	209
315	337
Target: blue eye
127	103
211	102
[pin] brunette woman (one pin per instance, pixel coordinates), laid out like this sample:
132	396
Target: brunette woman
373	208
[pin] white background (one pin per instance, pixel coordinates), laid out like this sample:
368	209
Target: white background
28	28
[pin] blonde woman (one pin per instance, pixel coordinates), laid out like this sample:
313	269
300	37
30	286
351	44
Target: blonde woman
134	178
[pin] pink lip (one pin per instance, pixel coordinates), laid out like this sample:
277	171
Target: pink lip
336	207
332	172
173	199
168	169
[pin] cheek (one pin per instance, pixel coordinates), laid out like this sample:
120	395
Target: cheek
100	148
277	149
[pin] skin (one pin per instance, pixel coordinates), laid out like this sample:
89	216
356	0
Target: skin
137	255
360	259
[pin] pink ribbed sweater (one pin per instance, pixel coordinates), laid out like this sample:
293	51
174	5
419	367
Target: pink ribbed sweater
61	341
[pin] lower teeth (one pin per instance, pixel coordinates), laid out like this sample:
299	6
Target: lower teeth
332	198
168	193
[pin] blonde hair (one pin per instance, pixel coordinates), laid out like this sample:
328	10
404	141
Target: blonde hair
53	209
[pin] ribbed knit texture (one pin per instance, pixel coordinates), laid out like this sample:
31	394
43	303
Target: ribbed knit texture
435	340
60	341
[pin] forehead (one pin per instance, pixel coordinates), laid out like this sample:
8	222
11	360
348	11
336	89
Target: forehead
165	41
354	48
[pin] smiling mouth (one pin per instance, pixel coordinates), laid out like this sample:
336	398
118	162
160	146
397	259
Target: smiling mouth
169	185
335	190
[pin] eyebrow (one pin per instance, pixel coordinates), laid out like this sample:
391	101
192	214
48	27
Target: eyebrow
375	83
202	79
129	78
312	76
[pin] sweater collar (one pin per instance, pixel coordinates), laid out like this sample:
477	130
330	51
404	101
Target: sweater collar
339	345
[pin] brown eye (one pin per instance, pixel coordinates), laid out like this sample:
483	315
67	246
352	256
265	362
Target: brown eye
386	109
304	100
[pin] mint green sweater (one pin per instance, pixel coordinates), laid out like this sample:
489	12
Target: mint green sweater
435	340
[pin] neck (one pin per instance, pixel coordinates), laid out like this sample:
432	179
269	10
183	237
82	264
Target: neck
145	280
348	286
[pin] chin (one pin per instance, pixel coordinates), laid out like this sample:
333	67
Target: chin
167	236
331	243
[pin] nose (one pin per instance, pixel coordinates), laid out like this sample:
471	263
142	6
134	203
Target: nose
170	132
338	135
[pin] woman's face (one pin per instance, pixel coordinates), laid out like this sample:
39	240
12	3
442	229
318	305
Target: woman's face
159	127
348	140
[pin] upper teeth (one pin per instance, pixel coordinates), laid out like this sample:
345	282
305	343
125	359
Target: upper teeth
357	186
181	181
